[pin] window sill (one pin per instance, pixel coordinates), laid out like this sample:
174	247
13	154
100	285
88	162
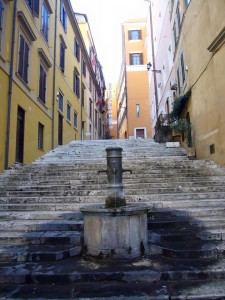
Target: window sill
68	121
42	103
41	149
23	81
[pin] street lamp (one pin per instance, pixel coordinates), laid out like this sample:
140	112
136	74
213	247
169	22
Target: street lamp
153	59
149	67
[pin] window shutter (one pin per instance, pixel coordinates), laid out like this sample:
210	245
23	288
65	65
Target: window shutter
21	51
139	34
131	60
129	35
40	83
35	7
141	58
26	65
61	10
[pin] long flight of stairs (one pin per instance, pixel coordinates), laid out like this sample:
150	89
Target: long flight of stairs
41	227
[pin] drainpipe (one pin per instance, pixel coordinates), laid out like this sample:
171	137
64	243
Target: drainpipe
153	59
10	86
54	76
81	105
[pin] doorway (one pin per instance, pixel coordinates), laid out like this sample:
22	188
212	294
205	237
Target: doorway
20	135
140	133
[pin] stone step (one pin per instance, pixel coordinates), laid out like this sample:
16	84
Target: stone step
111	290
37	253
75	270
41	215
187	250
203	222
41	225
41	237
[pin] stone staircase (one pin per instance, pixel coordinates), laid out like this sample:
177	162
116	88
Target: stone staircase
41	227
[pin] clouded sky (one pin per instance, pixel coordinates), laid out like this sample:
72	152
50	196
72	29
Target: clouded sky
105	18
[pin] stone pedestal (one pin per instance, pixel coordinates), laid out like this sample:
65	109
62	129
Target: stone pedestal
116	233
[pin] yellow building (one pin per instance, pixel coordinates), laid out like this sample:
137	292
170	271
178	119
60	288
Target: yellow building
134	115
44	69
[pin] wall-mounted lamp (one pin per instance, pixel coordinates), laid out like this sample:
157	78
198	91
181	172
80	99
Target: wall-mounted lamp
149	65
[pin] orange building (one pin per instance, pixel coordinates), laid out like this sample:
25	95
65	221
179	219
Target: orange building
134	110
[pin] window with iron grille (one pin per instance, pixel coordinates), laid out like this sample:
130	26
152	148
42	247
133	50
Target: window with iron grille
68	112
40	136
45	22
76	49
42	84
60	102
75	121
23	58
62	57
136	59
76	84
134	34
63	15
34	6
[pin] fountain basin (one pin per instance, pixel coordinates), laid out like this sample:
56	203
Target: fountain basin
116	232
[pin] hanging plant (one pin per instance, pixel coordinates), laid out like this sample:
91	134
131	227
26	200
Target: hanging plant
183	126
179	104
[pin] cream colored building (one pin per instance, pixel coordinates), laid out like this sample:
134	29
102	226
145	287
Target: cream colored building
44	70
195	85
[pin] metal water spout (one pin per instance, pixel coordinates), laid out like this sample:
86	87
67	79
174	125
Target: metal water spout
115	197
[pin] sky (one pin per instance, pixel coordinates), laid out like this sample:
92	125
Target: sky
105	18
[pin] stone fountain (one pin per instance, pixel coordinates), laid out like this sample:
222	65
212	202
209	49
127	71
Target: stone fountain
115	229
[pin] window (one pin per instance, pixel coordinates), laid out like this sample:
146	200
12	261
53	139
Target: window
42	84
60	102
178	17
187	2
178	80
76	49
63	15
90	83
138	110
40	136
136	59
182	67
83	68
62	57
23	59
76	84
90	108
82	96
34	6
175	34
134	34
1	20
75	120
96	119
68	112
45	21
